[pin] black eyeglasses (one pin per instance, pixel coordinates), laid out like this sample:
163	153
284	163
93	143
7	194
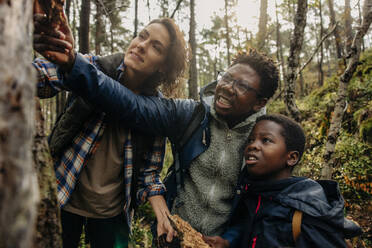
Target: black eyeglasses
240	86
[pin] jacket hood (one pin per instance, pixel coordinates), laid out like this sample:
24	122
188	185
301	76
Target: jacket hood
207	93
320	199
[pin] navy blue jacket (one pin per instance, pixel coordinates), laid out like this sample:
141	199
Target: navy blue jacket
266	209
149	114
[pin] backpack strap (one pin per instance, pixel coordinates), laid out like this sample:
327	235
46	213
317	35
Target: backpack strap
196	118
296	224
174	179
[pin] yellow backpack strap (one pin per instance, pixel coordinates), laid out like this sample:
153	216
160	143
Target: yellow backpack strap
296	224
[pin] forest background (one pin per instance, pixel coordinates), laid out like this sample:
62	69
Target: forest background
323	49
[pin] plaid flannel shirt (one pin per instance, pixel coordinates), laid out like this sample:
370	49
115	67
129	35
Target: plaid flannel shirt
84	145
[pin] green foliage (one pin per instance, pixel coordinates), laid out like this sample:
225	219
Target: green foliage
353	166
365	131
141	235
277	107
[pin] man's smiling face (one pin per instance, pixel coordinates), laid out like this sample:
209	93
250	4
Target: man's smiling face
235	107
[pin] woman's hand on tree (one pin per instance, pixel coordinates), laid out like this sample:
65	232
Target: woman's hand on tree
55	43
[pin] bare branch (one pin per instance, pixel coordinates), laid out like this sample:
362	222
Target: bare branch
177	7
316	49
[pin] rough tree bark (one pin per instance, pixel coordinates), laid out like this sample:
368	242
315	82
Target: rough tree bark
338	113
48	227
294	58
262	26
18	183
193	76
84	27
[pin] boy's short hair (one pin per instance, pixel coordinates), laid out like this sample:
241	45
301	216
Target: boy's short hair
264	66
292	132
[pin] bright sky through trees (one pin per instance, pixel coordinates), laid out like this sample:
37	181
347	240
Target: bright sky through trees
247	12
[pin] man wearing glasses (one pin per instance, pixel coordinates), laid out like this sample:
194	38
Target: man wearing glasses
202	184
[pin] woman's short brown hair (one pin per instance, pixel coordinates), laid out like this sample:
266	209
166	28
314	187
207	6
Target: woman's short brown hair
177	57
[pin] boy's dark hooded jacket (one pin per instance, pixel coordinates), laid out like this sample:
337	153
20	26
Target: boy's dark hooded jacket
268	207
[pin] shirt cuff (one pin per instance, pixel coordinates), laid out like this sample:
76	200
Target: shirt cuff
152	190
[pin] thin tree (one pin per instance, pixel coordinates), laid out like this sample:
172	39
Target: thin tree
18	183
262	25
338	112
84	26
336	33
99	32
348	28
135	18
321	54
164	7
193	76
67	8
360	23
294	59
227	34
279	46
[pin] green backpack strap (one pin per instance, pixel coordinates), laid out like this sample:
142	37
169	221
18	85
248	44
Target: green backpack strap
296	224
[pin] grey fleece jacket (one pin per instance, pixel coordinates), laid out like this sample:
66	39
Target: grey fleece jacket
206	199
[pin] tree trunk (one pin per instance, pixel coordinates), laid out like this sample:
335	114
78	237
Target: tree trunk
60	102
164	8
67	9
360	23
321	55
135	18
262	26
48	227
193	77
336	33
84	27
348	29
294	58
18	182
73	22
227	32
302	84
279	47
99	28
338	112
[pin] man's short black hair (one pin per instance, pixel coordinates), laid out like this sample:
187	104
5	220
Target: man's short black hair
265	68
292	132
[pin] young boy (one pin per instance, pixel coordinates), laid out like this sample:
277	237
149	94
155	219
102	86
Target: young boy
270	195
